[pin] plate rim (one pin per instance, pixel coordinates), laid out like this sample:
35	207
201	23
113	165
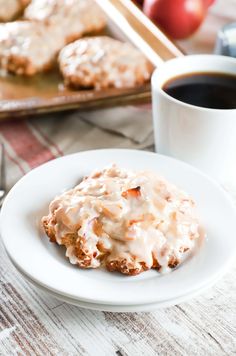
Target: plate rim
114	308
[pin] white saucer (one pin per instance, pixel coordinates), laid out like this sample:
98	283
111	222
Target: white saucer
45	264
121	308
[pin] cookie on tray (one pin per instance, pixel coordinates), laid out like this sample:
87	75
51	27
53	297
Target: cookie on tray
74	17
27	48
10	9
126	221
103	62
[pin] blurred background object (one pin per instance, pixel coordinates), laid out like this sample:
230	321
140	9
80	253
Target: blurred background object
221	13
194	23
226	40
178	19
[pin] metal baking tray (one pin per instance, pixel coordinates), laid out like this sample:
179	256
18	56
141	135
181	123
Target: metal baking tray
44	93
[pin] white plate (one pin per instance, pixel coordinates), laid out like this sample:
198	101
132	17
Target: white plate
121	308
45	263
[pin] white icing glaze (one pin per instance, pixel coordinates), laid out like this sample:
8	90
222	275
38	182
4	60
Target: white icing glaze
31	41
103	62
140	216
74	17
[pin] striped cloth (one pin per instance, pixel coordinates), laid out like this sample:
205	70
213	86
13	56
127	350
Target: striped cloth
31	142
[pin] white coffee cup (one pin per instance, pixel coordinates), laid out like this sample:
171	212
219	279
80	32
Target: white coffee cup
205	138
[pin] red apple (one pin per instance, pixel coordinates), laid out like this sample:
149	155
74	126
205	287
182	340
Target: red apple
177	18
209	2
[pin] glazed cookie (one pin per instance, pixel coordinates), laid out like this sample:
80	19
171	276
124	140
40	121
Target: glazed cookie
102	62
74	17
127	221
27	48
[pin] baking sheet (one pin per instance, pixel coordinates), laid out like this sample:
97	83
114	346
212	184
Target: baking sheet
43	93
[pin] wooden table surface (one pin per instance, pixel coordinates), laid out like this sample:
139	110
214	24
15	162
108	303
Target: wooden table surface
32	323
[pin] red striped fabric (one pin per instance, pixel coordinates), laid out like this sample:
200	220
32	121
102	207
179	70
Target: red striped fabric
47	139
25	144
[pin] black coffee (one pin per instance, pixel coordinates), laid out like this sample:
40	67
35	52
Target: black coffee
208	90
